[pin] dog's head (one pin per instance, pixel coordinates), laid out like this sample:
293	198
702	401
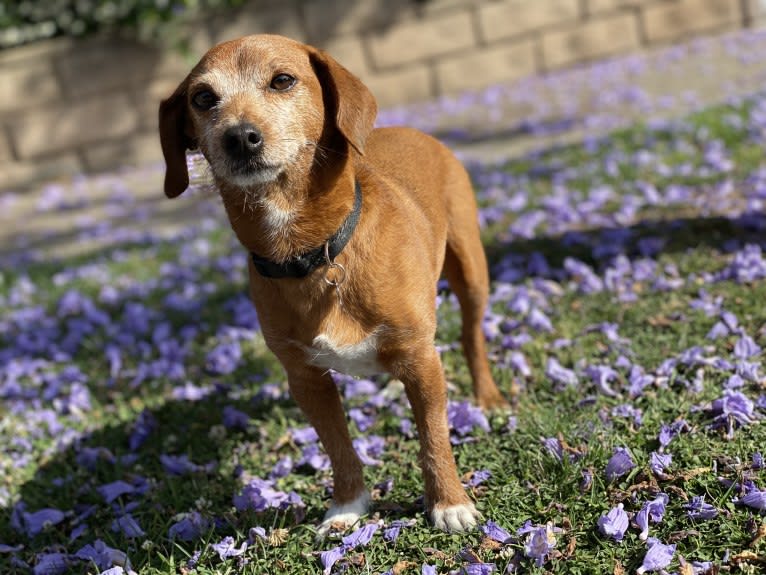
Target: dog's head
259	107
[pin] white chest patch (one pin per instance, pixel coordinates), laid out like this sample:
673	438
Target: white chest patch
277	219
355	359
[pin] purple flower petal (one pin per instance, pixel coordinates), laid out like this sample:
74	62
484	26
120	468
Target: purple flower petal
191	527
40	520
128	526
369	449
538	321
313	456
392	532
89	457
181	465
654	510
733	408
78	531
479	569
554	447
659	462
224	358
234	418
718	331
602	376
539	542
746	347
227	548
361	536
615	523
143	427
282	468
755	499
479	477
52	564
101	555
559	374
669	432
657	557
699	510
495	532
364	419
331	557
666	435
619	464
304	435
463	418
259	494
256	533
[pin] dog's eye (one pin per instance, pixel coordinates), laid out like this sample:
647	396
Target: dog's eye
282	82
204	100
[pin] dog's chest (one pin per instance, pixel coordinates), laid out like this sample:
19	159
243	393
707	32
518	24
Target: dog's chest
353	359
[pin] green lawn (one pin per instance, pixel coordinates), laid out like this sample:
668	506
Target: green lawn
662	272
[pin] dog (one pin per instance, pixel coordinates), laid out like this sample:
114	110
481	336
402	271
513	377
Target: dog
349	229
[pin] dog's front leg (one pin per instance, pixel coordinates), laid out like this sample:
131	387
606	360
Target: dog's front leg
447	504
316	394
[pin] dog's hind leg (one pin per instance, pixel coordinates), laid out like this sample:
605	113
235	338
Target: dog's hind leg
465	267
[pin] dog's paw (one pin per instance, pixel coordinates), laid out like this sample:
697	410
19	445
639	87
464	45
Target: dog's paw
343	516
456	518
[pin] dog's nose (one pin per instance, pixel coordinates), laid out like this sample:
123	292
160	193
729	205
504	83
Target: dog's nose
242	140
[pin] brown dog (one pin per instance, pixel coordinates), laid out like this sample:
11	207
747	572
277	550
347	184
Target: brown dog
349	228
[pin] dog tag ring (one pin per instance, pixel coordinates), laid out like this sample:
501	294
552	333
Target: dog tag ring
334	267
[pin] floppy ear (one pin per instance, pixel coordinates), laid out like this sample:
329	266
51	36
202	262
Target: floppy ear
176	137
346	98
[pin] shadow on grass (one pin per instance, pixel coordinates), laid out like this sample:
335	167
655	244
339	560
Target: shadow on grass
673	235
70	480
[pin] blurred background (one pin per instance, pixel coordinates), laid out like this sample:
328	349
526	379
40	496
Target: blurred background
81	79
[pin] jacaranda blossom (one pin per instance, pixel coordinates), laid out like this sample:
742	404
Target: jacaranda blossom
654	510
38	521
615	523
755	499
331	557
659	462
190	527
227	548
361	536
495	532
619	464
540	541
657	557
696	508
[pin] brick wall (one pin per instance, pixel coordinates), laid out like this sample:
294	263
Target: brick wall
70	106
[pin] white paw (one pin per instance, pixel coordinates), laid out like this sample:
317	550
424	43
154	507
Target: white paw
344	516
456	518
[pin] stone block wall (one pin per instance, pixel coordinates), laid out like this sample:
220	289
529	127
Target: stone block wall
69	106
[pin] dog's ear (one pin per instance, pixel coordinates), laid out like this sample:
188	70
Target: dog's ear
176	136
346	98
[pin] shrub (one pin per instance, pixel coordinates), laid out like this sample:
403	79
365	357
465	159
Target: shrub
23	21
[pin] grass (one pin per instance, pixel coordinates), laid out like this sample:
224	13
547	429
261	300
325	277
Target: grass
526	483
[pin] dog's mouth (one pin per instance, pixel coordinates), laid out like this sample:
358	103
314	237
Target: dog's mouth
252	171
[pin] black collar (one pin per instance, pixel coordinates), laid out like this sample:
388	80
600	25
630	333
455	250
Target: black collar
302	265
